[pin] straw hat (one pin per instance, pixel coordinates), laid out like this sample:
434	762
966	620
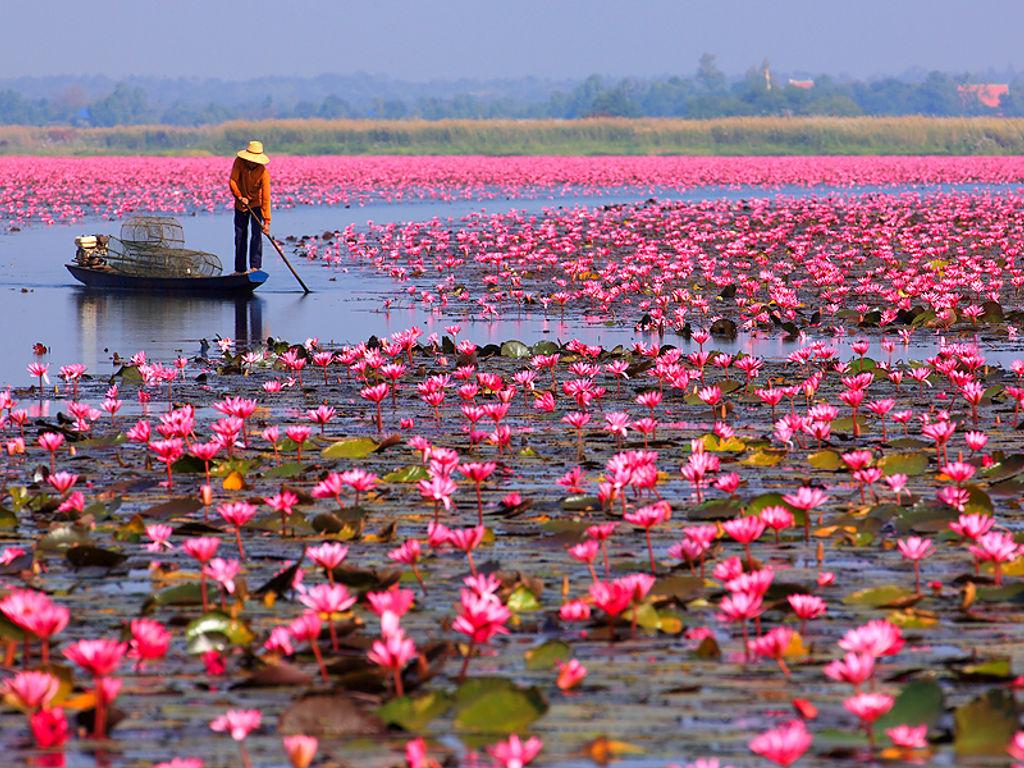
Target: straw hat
254	153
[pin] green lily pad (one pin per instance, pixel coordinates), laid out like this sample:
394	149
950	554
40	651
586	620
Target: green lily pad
496	705
412	473
215	631
178	595
287	470
350	448
522	600
545	655
828	461
844	425
515	349
885	596
921	702
985	725
581	503
993	669
414	714
910	464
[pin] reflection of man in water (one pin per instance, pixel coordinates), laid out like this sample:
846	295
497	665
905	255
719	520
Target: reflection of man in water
248	320
250	184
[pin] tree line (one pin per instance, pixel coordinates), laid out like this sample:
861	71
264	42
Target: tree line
706	93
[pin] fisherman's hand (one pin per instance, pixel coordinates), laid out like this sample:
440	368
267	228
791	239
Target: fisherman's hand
266	227
244	201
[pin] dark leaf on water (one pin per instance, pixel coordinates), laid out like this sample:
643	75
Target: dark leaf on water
281	584
334	715
180	507
274	675
85	556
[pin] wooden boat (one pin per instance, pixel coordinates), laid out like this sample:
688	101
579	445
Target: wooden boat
224	285
150	256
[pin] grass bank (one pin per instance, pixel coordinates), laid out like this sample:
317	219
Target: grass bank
596	136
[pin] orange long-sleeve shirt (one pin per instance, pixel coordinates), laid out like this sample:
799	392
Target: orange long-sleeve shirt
254	184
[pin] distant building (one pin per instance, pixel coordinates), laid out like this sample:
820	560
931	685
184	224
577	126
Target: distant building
987	94
803	84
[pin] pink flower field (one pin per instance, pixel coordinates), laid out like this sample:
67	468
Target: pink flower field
63	189
427	548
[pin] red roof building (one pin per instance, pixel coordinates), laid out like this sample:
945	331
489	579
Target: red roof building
988	94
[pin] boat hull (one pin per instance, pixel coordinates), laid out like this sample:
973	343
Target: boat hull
221	285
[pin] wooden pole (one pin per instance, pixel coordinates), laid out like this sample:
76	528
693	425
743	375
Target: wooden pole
280	253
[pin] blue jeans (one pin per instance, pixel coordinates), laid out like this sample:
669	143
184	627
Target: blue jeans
242	222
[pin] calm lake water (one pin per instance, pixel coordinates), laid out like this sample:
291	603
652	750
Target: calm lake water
40	302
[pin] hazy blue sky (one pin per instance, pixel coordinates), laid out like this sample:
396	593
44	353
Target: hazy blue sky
425	39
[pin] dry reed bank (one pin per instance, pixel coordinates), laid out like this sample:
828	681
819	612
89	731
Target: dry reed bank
593	136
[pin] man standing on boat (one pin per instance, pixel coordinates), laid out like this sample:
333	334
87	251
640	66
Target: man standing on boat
250	184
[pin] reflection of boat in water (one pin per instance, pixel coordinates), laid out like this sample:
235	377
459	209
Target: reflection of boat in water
127	322
150	256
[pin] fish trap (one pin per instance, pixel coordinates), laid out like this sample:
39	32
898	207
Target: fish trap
154	246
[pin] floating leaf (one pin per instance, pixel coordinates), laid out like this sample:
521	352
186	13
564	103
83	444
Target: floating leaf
682	589
828	461
708	649
216	631
545	656
234	482
885	596
911	464
522	600
515	349
1010	466
333	715
350	448
758	503
993	669
414	714
862	364
921	702
180	594
844	425
580	503
716	444
545	348
180	507
287	470
86	556
412	473
496	705
761	458
985	725
277	674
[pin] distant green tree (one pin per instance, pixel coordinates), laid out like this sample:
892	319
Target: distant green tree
125	106
709	76
334	107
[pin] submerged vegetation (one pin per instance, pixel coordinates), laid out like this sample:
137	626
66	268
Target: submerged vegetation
591	136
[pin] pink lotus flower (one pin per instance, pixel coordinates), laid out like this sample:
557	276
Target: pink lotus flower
300	749
514	753
783	745
150	640
32	690
908	736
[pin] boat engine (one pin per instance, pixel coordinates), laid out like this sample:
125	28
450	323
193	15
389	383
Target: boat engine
92	251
